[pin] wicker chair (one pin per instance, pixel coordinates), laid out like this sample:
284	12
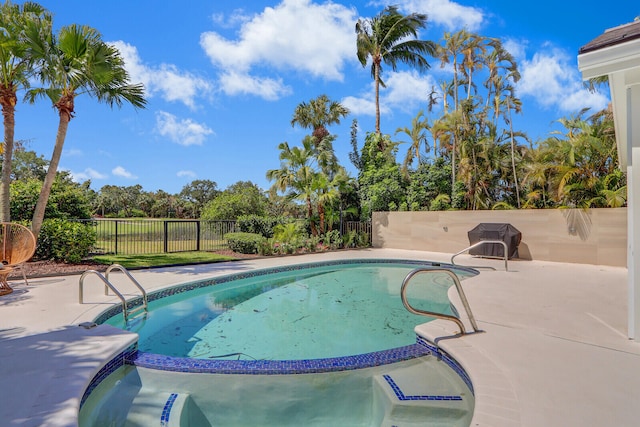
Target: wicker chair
17	246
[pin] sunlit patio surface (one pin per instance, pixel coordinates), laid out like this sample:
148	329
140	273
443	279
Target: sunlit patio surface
553	350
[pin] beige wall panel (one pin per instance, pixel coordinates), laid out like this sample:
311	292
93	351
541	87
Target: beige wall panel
596	236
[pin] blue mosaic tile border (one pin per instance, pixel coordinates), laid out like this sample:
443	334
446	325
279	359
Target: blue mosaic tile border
271	367
276	367
446	358
174	290
401	396
166	411
110	367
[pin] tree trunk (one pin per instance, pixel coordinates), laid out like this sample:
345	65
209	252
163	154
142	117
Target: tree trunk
377	85
43	199
321	215
314	231
8	114
513	156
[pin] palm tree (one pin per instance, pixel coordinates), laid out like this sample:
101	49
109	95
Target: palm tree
417	135
296	175
454	45
474	56
391	38
500	59
74	63
18	25
317	115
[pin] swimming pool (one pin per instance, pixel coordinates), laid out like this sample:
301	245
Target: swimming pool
315	311
322	335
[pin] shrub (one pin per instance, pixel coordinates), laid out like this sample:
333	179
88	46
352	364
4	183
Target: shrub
286	233
257	224
333	239
65	241
244	243
266	247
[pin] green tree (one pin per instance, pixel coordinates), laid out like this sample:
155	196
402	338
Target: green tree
69	200
19	25
296	175
449	53
391	38
418	138
429	181
27	164
241	198
76	62
381	184
317	115
198	193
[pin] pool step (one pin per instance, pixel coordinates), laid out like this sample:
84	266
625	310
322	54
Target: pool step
165	409
422	393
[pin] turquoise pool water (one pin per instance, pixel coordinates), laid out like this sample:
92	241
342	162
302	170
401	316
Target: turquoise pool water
318	312
321	345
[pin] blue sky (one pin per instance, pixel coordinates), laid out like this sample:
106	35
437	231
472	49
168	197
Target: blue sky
223	79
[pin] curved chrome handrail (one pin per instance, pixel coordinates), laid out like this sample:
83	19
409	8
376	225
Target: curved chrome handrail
463	298
480	243
135	282
108	285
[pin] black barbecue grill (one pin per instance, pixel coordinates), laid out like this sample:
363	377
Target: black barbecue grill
506	233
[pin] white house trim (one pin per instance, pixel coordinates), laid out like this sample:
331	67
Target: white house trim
616	54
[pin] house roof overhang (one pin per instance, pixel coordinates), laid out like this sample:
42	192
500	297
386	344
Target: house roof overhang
615	54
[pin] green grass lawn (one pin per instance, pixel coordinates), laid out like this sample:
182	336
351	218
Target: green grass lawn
159	260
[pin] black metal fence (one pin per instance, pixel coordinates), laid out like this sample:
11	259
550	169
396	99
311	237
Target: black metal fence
358	226
146	236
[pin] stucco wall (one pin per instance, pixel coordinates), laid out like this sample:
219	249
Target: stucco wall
595	236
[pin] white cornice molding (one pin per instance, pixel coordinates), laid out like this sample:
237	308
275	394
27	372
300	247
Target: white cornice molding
608	60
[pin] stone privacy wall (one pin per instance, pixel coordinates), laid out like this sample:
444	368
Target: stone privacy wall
594	236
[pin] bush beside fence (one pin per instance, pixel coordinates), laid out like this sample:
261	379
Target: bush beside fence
148	236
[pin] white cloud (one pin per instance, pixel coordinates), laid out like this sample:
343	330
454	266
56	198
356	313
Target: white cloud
166	80
123	173
236	18
364	105
405	91
553	80
233	83
295	35
72	152
181	131
87	174
188	174
447	13
517	48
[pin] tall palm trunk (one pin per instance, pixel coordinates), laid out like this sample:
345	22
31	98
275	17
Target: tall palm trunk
377	85
8	102
513	155
314	231
41	205
321	215
453	163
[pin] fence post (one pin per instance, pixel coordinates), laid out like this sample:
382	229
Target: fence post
198	235
166	236
116	248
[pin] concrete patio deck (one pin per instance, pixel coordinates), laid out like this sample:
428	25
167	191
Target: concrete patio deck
553	351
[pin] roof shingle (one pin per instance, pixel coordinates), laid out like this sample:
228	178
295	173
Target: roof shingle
613	36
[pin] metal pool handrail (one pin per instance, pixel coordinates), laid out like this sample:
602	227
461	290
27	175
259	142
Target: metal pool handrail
463	298
108	285
480	243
